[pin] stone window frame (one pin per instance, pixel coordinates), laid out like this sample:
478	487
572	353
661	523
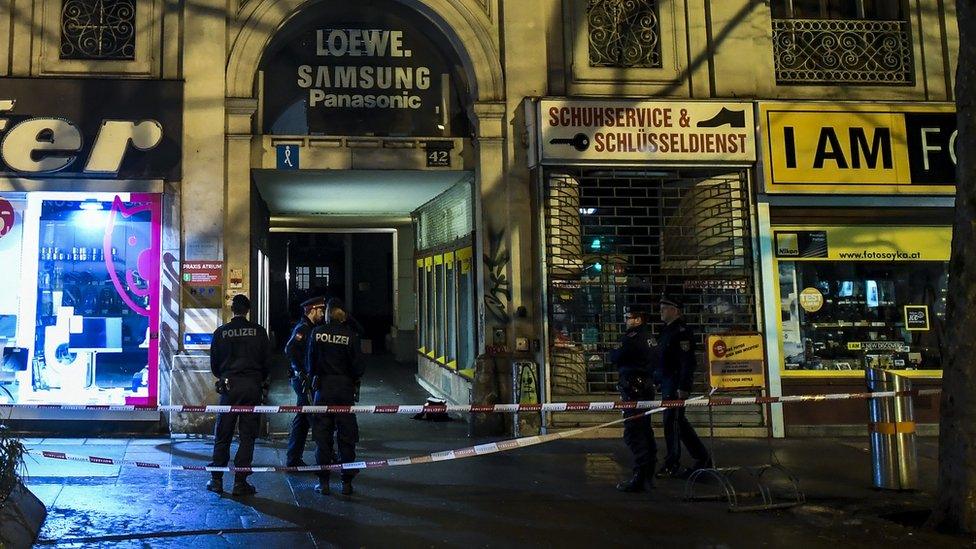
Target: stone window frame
46	47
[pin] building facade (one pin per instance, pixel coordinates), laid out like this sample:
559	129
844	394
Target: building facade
482	178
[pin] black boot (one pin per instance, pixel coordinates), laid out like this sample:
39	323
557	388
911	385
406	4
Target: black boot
216	483
242	487
323	486
669	471
638	483
347	487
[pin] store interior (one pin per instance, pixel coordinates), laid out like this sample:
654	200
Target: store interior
76	326
843	316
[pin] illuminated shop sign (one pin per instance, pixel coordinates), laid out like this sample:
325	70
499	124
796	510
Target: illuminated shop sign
859	148
863	243
349	72
90	128
658	131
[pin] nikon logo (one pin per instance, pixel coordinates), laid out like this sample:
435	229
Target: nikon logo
787	245
48	145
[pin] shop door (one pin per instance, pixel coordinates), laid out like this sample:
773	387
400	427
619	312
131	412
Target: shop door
615	238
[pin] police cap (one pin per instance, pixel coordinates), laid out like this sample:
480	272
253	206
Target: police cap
636	309
313	303
669	300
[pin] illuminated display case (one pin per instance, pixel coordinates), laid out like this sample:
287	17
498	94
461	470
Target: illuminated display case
853	297
81	325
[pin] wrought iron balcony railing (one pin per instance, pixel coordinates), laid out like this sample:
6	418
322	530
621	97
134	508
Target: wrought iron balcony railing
834	51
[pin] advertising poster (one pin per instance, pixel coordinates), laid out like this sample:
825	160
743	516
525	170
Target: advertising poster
736	361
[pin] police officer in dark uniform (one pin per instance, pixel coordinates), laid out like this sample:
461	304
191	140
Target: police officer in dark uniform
634	361
335	368
240	358
676	351
297	351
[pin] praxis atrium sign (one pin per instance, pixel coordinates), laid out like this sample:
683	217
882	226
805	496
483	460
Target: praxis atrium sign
361	72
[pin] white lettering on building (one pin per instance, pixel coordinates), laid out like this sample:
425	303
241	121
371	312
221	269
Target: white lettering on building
47	145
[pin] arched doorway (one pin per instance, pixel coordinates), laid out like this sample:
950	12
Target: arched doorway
360	121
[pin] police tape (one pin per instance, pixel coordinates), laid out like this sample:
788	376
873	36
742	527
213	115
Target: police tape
447	455
581	406
489	448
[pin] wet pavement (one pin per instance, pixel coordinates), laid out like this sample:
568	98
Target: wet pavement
559	494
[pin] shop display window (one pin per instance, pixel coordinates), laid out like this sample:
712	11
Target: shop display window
446	308
80	310
843	316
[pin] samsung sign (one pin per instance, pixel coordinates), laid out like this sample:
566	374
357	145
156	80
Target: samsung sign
107	129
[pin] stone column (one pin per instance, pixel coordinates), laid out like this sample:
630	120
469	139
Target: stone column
237	197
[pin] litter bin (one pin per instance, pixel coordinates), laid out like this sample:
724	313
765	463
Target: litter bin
894	456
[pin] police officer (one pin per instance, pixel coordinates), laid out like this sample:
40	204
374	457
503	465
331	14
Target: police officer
297	351
240	357
634	361
676	351
335	368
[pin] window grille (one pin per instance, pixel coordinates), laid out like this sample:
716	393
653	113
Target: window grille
98	29
624	33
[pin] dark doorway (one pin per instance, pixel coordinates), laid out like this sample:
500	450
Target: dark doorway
356	267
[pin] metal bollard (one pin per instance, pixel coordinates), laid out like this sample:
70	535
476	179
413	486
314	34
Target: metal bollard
894	455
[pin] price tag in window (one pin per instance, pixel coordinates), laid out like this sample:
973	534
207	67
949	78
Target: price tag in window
917	318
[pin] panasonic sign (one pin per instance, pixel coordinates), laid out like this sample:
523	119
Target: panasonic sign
122	133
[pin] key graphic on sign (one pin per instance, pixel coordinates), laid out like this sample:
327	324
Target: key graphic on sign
579	142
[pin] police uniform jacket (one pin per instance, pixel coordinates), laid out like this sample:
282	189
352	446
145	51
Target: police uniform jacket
333	350
297	346
240	348
676	349
634	356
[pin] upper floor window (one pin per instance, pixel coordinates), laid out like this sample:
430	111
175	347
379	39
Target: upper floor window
624	33
98	29
302	278
864	42
874	10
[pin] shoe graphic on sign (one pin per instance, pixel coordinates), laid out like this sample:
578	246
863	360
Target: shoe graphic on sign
735	119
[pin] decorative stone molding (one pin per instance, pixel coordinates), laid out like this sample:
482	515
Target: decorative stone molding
490	117
239	112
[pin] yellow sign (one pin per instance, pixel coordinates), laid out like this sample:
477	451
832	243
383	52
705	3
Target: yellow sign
863	243
736	361
811	300
872	148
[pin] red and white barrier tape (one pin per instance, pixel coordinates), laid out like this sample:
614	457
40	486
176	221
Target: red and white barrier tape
448	455
607	406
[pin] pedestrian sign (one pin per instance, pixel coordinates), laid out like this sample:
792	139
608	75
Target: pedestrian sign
287	157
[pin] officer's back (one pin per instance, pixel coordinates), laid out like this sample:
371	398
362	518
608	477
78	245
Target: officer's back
333	358
240	349
677	356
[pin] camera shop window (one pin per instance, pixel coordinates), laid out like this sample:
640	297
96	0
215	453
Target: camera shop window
837	317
